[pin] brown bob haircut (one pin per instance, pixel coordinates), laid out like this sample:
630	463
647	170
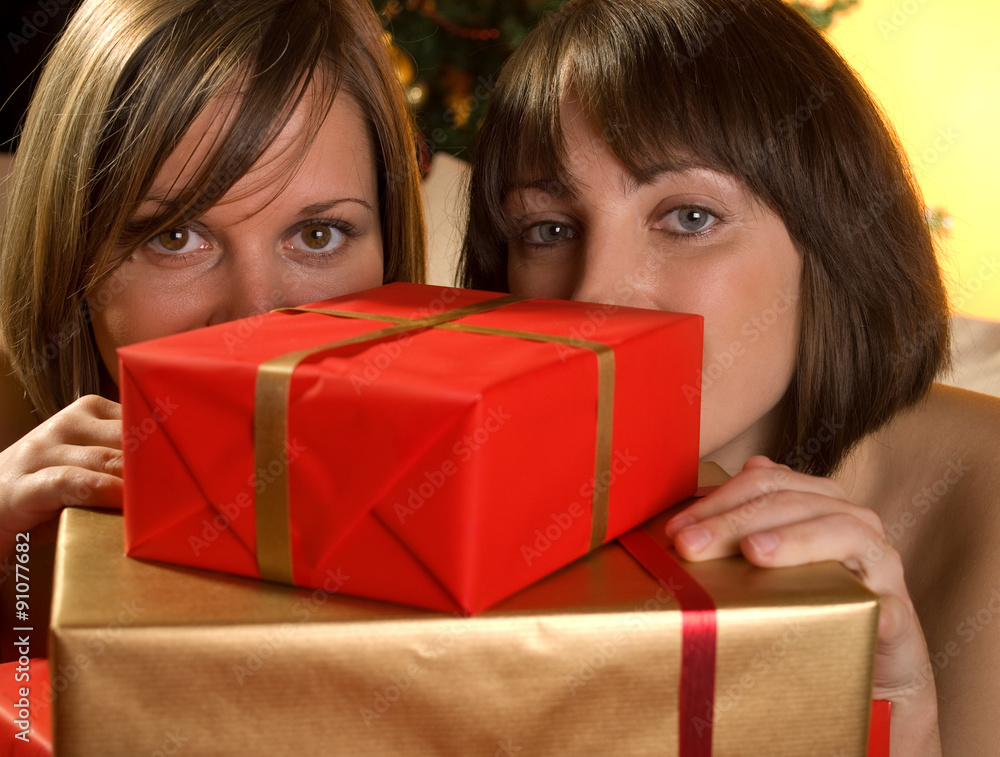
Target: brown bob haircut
752	90
120	89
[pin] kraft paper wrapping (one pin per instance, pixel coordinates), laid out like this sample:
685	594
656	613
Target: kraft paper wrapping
149	658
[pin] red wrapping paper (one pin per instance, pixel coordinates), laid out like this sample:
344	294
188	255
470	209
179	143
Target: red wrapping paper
436	468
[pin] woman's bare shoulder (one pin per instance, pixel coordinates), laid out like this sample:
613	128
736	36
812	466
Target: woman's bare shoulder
943	453
933	477
947	530
964	426
16	414
950	430
959	478
952	399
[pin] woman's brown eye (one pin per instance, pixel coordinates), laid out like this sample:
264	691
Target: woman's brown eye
316	236
173	240
178	243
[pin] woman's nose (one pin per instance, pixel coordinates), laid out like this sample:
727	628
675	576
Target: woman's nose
611	270
252	284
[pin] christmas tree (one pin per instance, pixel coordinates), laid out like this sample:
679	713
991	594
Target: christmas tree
448	54
823	14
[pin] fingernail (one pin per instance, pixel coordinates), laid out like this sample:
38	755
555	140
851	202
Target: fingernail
695	539
676	524
764	543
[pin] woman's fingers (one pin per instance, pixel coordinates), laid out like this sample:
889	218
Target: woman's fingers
901	662
834	535
776	517
87	433
36	498
91	420
762	461
73	458
98	459
762	497
719	534
722	533
34	454
98	407
62	485
759	480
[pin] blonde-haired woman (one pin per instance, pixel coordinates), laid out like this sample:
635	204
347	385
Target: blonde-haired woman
184	163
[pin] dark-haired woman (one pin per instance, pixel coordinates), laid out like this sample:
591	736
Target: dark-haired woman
718	157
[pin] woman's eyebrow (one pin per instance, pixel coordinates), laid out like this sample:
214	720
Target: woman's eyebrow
322	207
552	187
630	183
700	175
166	207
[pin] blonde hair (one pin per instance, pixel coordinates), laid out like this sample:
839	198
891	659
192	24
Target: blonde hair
121	87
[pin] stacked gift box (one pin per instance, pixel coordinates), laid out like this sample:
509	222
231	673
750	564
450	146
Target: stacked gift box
443	474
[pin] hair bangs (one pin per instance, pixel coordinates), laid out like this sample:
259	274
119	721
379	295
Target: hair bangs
521	140
267	60
669	86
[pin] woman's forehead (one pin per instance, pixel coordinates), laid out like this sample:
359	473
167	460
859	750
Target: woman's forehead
581	149
195	148
213	132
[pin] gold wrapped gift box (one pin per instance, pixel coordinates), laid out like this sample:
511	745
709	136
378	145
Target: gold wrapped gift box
151	659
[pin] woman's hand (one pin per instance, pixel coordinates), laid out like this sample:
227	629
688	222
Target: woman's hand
776	517
73	458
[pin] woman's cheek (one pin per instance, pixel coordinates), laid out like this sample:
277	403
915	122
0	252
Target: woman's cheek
127	309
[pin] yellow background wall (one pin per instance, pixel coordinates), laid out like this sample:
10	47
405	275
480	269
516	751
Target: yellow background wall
935	67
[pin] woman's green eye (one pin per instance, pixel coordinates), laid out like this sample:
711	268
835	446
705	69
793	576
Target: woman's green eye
549	233
693	219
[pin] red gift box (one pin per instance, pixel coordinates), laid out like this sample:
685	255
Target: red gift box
435	447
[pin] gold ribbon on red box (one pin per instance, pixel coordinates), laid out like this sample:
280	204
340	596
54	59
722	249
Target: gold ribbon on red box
274	377
372	410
